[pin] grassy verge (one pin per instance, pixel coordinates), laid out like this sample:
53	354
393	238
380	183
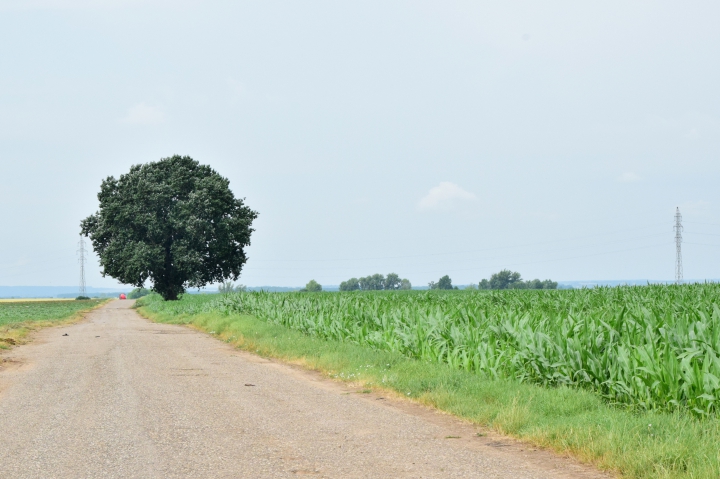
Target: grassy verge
19	318
570	421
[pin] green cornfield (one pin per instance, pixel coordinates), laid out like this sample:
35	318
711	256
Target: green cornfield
12	312
648	347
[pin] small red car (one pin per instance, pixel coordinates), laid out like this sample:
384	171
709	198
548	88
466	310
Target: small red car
122	296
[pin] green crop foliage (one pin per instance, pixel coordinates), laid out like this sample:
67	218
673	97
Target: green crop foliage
31	311
653	347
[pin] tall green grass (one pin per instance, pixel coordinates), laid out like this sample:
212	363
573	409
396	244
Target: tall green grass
651	347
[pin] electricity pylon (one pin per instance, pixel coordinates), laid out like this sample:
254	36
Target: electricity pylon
81	260
678	251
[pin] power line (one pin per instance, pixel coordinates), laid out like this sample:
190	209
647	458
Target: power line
702	223
30	272
704	234
555	259
516	256
678	247
425	255
504	265
43	259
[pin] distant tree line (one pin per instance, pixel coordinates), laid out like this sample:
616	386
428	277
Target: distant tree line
312	287
229	287
507	279
376	282
138	293
443	283
504	279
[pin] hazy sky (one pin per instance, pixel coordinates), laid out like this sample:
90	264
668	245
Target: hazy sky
423	138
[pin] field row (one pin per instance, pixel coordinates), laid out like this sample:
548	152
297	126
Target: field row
47	310
651	347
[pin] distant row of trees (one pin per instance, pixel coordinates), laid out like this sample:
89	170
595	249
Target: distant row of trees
443	283
504	279
230	287
138	293
507	279
376	282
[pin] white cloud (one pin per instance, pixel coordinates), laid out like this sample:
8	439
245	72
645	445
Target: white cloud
628	177
444	195
142	114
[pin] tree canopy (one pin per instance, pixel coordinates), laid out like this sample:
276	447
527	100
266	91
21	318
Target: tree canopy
507	279
392	281
175	222
443	283
312	287
353	284
376	282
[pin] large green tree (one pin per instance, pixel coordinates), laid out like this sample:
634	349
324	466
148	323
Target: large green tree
174	222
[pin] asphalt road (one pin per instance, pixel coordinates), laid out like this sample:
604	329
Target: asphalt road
121	397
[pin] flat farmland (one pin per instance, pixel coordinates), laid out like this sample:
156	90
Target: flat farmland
624	378
15	311
116	396
32	300
649	347
18	317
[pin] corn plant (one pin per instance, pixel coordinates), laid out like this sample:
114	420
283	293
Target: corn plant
650	347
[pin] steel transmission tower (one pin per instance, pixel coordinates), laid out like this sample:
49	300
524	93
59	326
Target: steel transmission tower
81	260
678	251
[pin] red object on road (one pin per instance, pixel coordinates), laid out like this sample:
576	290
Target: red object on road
122	296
